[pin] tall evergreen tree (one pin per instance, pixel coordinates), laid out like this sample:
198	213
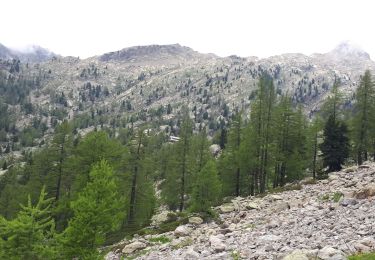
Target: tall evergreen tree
97	211
364	117
31	234
335	147
206	189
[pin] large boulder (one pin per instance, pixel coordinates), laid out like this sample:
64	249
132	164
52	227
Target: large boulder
135	246
252	205
182	231
366	192
330	253
163	217
217	244
296	255
190	254
226	208
195	220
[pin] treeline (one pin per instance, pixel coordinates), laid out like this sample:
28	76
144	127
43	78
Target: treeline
78	193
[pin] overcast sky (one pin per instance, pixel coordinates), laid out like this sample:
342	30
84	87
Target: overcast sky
246	28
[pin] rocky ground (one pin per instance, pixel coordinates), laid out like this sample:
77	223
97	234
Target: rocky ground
329	219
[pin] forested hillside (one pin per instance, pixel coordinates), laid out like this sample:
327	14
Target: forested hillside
87	163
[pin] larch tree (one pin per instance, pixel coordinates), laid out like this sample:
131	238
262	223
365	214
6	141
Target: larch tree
363	125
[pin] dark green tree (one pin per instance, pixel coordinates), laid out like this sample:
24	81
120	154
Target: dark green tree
363	123
206	189
335	146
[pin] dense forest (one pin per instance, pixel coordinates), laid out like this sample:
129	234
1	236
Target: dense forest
77	193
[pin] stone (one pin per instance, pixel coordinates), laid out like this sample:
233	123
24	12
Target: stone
215	149
269	238
112	256
296	255
281	206
275	197
190	254
368	241
366	192
135	246
163	217
350	169
217	244
226	208
195	220
252	205
330	253
348	201
362	248
182	231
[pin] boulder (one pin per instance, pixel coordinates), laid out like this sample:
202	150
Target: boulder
275	197
281	206
195	220
366	192
350	169
226	208
252	205
330	253
182	231
135	246
163	217
190	254
217	244
296	255
215	149
348	201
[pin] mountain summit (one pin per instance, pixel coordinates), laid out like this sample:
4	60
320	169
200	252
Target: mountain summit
350	50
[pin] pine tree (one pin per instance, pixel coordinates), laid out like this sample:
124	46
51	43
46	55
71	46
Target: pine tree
140	189
335	147
97	211
313	143
31	234
363	117
206	189
61	148
230	171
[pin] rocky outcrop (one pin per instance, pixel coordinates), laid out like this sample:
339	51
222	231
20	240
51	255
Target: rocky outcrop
328	220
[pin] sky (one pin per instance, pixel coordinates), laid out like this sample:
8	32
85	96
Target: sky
241	27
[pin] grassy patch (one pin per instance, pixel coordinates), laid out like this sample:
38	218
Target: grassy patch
337	196
235	255
310	181
186	242
138	254
368	256
287	188
160	239
331	197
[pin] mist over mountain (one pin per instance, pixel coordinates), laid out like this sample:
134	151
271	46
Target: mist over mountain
30	53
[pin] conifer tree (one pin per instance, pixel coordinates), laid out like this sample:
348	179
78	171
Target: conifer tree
97	211
364	117
335	147
206	189
230	169
31	234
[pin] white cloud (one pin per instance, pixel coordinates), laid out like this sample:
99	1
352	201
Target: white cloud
258	27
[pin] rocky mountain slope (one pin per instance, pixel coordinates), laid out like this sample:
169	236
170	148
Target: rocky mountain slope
328	220
151	84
